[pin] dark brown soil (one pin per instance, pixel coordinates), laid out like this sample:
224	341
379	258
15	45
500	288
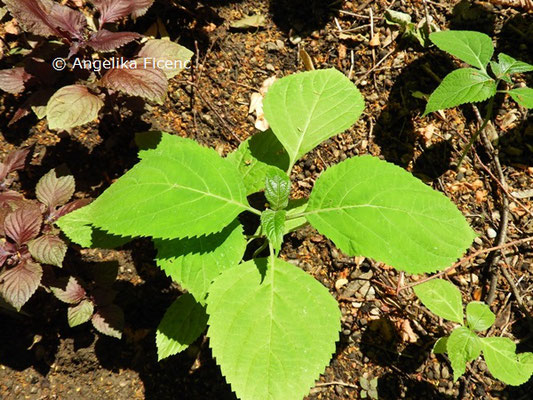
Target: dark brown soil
384	335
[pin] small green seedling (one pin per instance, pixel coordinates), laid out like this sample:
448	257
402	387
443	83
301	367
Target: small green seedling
463	344
472	85
272	327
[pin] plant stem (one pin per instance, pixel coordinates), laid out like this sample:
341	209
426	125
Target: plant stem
486	120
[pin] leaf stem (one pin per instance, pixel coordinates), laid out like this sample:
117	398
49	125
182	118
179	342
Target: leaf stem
486	120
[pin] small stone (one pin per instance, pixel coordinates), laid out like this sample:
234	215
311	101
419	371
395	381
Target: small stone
270	67
491	233
340	283
445	373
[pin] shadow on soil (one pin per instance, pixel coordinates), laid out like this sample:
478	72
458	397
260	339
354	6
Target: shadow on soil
394	131
381	344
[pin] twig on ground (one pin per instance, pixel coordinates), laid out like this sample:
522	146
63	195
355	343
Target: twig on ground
492	267
215	111
375	66
465	260
337	383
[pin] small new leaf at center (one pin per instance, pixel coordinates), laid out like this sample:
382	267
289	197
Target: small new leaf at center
277	189
273	224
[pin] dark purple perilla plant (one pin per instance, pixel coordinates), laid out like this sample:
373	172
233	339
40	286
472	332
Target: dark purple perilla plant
30	243
91	62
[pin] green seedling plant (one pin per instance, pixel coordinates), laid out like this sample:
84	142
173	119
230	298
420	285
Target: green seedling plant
464	344
272	327
476	84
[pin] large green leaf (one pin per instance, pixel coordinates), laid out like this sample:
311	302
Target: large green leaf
503	362
256	156
307	108
272	329
195	262
463	346
76	225
181	325
372	208
479	316
474	48
523	96
465	85
186	192
442	298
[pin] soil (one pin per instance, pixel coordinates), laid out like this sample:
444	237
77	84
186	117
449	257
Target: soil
384	335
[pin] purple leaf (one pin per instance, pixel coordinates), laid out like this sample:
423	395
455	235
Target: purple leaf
113	10
24	224
67	208
109	320
72	106
18	284
70	291
149	83
80	314
14	161
13	80
53	191
105	40
166	55
9	198
48	249
33	16
140	7
68	20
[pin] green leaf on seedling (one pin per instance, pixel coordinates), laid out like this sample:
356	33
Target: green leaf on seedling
273	224
277	189
307	108
181	325
440	345
294	208
479	316
184	190
462	346
474	48
503	362
442	298
372	208
272	329
465	85
498	71
508	65
195	262
258	155
76	225
523	96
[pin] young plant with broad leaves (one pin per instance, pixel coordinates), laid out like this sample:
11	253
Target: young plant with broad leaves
464	344
476	83
80	55
272	327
